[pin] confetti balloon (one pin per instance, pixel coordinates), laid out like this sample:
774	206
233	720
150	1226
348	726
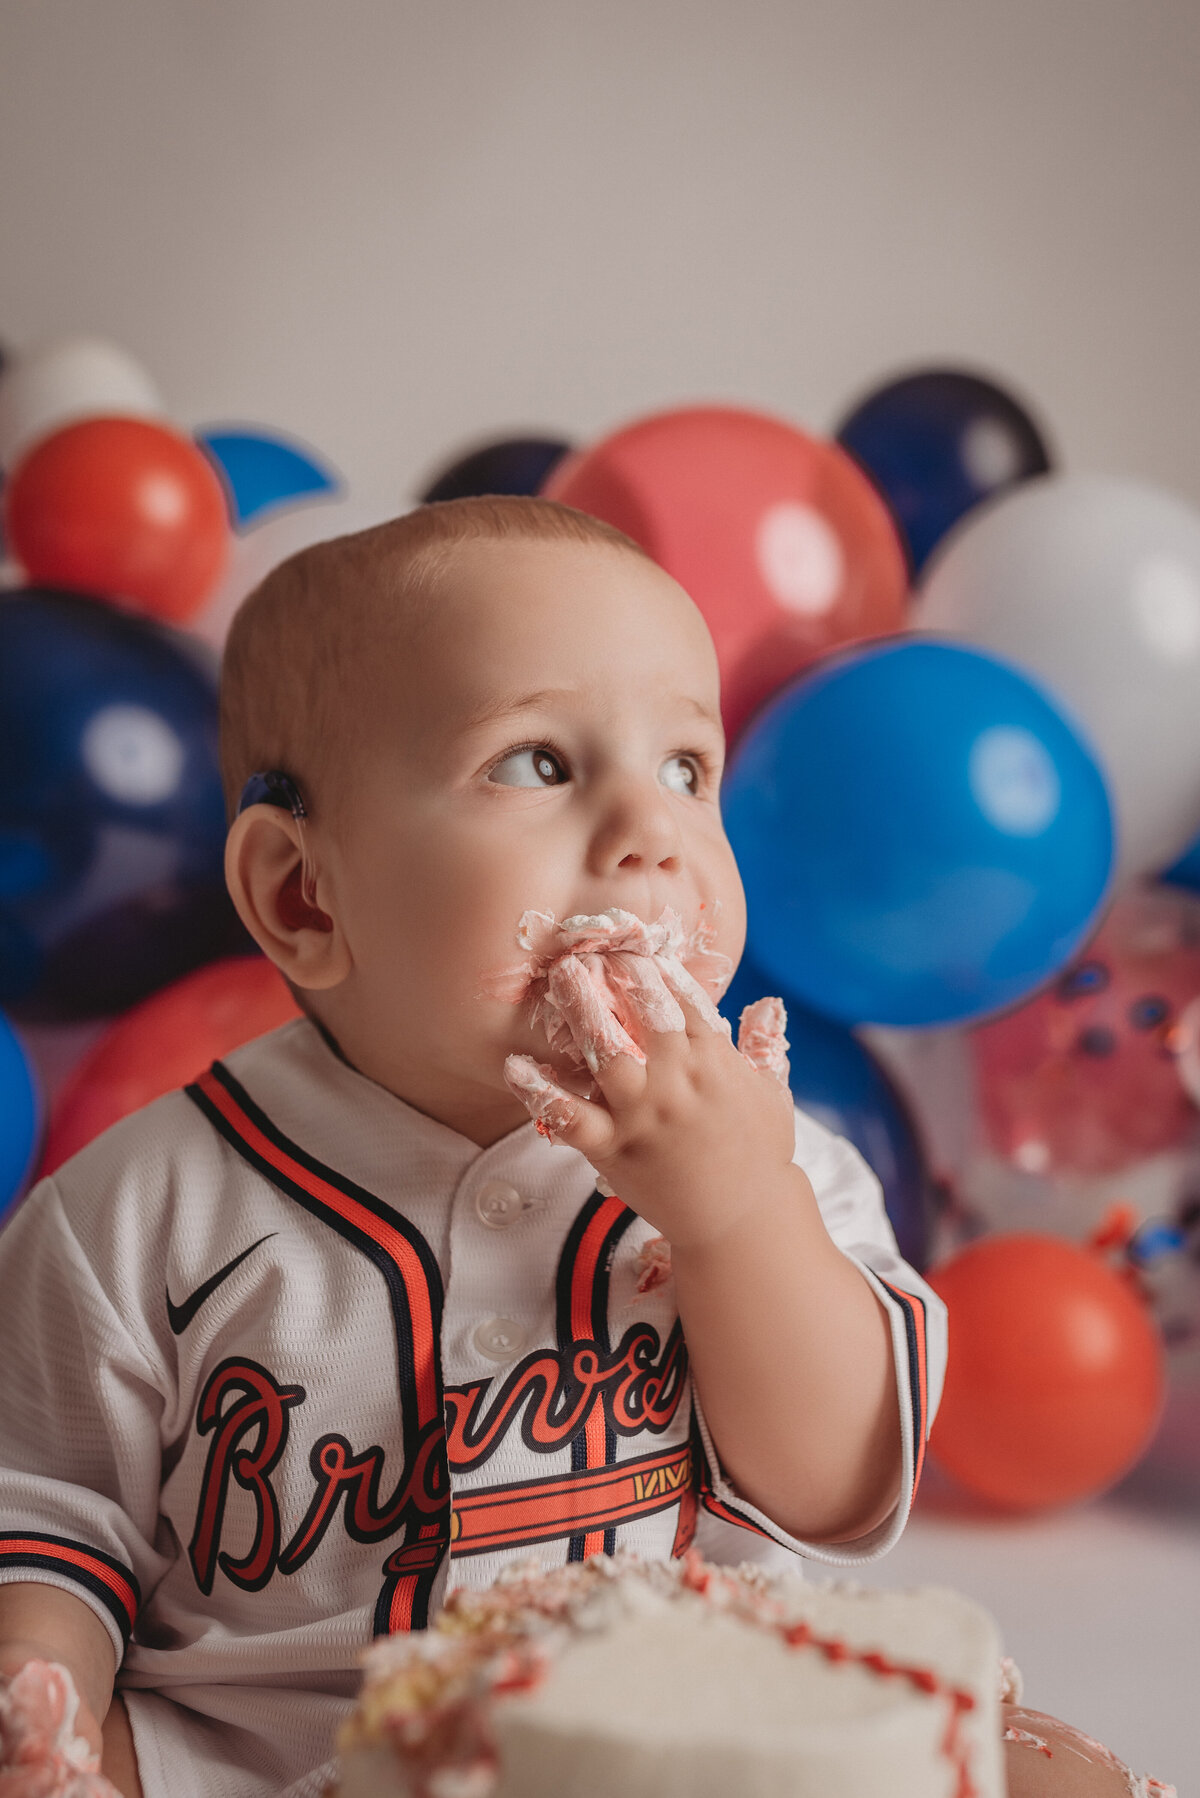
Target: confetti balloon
163	1043
1056	1375
938	442
123	507
780	538
1085	1079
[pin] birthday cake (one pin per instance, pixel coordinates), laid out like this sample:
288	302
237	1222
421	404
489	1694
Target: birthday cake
615	1676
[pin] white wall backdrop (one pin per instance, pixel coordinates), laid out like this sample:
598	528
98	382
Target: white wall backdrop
392	227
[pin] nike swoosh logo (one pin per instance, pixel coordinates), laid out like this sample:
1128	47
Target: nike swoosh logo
180	1316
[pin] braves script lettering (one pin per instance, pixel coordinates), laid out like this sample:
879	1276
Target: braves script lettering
637	1387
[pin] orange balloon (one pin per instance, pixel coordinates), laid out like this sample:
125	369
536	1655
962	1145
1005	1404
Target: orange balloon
123	507
780	538
163	1043
1056	1378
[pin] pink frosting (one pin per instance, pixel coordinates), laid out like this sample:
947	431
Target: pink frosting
40	1754
624	975
653	1264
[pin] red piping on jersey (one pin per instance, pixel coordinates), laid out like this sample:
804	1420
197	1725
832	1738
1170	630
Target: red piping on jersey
583	1286
395	1245
41	1548
410	1571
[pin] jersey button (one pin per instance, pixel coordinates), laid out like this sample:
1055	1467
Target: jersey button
500	1339
498	1204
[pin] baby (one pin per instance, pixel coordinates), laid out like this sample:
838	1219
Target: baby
505	1248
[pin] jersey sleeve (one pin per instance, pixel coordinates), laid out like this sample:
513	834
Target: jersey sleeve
80	1442
850	1199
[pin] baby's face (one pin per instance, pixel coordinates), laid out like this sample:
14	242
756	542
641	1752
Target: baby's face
478	801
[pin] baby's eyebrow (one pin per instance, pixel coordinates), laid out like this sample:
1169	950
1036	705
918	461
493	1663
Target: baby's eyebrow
505	705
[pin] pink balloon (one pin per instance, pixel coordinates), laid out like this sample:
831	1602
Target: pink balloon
779	537
1085	1079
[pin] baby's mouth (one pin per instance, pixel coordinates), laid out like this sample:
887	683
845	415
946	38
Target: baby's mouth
614	931
626	974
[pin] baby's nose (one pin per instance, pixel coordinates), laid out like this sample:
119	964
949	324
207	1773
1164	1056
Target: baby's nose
639	831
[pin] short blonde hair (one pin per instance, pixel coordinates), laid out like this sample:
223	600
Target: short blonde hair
295	654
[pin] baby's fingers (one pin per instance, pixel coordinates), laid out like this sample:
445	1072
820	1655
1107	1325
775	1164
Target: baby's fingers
559	1116
761	1037
684	985
648	998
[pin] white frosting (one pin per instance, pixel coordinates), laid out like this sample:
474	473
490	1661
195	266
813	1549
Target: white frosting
682	1682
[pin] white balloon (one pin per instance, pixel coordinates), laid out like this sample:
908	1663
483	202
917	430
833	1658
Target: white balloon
61	382
1093	585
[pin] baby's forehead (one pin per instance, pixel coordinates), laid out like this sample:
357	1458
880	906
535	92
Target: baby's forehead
496	623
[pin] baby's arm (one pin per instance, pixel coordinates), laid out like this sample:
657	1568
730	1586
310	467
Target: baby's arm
792	1359
80	1444
44	1623
793	1347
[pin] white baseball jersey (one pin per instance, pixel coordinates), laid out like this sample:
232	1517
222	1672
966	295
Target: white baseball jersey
283	1357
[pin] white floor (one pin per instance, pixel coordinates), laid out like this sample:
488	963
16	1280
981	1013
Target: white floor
1099	1606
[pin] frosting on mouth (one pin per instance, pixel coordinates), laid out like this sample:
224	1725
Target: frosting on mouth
619	975
599	984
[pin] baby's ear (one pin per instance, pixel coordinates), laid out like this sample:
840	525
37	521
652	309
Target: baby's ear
264	871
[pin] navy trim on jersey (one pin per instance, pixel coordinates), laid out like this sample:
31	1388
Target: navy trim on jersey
101	1574
599	1298
413	1567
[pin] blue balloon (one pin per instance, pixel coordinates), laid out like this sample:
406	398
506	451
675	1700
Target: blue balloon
936	444
837	1081
20	1116
923	837
519	465
263	471
112	817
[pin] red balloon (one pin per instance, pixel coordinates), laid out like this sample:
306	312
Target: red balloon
124	507
1056	1378
163	1043
780	539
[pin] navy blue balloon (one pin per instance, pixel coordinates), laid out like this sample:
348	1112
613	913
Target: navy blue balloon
515	465
20	1116
840	1083
112	818
1186	871
938	442
923	837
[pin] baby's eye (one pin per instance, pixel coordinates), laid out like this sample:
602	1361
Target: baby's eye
533	765
692	773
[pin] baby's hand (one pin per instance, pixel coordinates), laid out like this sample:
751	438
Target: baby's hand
689	1130
41	1755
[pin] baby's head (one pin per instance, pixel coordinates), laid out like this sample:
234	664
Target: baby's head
487	706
